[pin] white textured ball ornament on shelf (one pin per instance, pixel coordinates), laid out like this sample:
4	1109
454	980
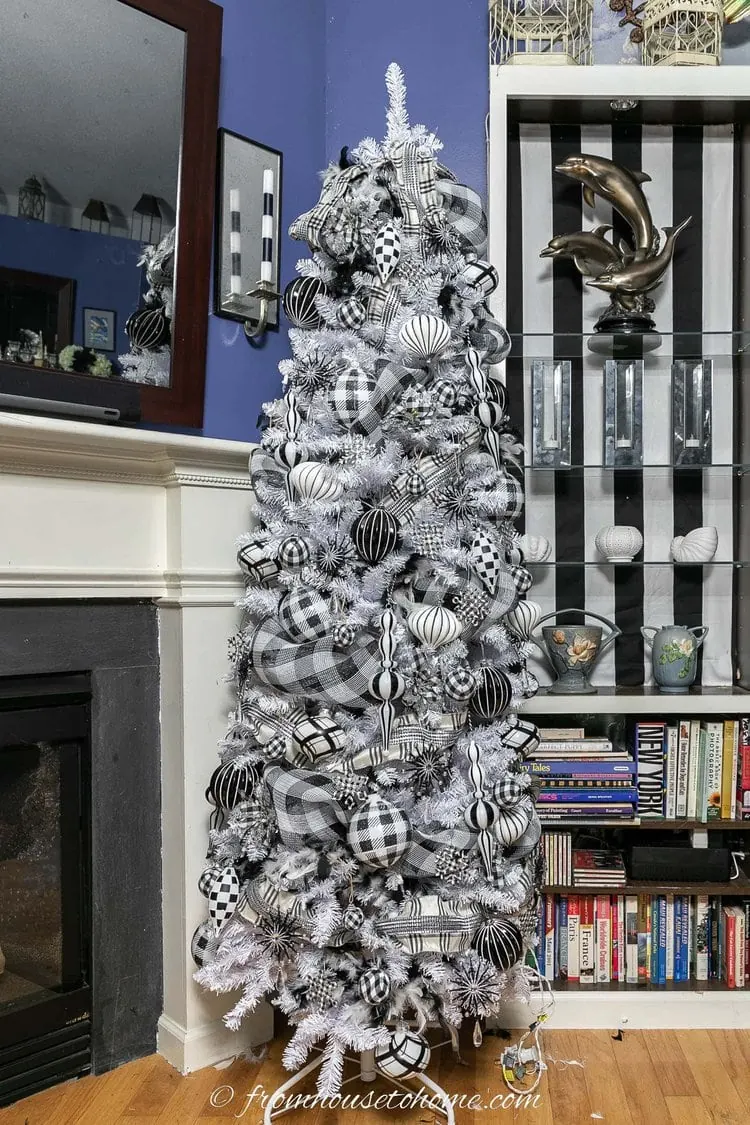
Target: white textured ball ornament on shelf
375	534
535	548
499	941
406	1054
698	546
386	251
425	337
299	301
314	481
618	542
379	833
434	625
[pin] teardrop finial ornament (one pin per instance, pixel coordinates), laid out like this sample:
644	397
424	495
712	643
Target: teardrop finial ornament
481	814
387	684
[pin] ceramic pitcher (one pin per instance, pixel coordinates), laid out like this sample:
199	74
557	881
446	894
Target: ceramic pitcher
674	655
573	650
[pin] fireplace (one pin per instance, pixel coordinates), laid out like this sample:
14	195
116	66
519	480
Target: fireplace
80	840
45	882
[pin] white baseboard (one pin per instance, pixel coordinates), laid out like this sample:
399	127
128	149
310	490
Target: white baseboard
192	1049
648	1009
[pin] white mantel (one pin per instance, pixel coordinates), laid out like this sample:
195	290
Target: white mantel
91	511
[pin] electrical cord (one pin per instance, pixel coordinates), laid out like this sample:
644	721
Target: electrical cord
525	1059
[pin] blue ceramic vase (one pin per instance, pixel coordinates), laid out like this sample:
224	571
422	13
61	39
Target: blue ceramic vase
674	655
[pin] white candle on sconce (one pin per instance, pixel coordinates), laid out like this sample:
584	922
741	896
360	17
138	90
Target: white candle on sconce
266	257
235	242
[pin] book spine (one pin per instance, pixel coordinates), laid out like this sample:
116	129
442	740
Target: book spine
662	957
549	937
588	953
649	753
602	969
541	945
746	912
721	939
739	968
714	968
589	745
735	760
562	937
574	938
693	763
701	937
653	925
715	734
727	776
701	811
621	931
580	767
689	942
678	938
580	796
643	949
669	911
683	759
670	786
731	952
631	939
743	772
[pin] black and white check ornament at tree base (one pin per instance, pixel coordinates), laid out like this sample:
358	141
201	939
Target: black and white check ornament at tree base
373	858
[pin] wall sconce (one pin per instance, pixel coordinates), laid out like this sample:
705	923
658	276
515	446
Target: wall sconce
246	283
31	200
550	394
623	412
692	381
146	220
95	217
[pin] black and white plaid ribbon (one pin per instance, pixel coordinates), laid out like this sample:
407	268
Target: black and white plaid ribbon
306	808
431	924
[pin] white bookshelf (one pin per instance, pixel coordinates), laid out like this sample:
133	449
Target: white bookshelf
519	93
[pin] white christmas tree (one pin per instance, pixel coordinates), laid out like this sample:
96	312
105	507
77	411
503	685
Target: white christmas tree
374	852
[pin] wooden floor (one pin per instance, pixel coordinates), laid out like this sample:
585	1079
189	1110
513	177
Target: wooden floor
648	1078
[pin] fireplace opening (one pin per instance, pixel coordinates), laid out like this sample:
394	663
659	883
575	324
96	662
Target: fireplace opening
45	882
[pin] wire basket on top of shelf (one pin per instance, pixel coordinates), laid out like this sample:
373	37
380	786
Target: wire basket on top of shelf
682	32
541	32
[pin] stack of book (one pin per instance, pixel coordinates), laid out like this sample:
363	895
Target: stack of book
694	770
558	858
582	778
598	868
644	939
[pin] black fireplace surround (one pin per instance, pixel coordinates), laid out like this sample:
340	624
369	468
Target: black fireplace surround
79	714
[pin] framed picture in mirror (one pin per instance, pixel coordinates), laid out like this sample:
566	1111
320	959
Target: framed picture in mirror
108	184
248	209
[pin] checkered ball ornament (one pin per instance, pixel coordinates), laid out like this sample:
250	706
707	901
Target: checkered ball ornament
304	615
351	313
379	833
406	1053
374	986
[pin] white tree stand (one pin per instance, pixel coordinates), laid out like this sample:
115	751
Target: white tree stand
367	1073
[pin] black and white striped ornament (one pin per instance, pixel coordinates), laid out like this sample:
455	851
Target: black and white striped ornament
493	695
304	615
203	944
374	986
351	313
480	810
511	824
460	685
405	1054
148	328
299	301
254	561
508	791
434	625
386	251
315	481
481	815
375	534
425	337
294	552
352	917
499	941
230	783
288	454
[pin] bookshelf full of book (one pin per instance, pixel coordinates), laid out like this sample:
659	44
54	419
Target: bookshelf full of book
645	807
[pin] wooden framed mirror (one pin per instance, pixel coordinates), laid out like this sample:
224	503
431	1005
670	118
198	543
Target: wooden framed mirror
109	159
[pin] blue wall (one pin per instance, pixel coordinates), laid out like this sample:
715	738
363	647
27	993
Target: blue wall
272	90
104	267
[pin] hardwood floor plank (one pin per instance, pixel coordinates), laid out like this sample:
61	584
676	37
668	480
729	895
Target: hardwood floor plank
687	1111
672	1069
566	1082
607	1095
712	1079
733	1048
155	1091
191	1097
639	1078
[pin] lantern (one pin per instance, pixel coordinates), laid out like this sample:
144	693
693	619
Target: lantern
146	220
682	32
31	200
95	217
541	31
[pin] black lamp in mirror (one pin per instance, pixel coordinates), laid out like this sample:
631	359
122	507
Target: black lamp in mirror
95	217
146	220
31	200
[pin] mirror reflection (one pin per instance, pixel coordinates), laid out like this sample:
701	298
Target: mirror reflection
89	167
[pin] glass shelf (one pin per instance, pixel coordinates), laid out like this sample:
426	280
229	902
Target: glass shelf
735	467
669	345
665	564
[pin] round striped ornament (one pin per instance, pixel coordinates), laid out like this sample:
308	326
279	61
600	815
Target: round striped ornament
299	301
523	619
493	694
314	481
148	328
481	815
375	534
511	825
499	941
434	625
230	783
425	337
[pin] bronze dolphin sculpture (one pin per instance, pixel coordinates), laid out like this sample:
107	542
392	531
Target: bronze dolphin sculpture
589	250
620	187
639	277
